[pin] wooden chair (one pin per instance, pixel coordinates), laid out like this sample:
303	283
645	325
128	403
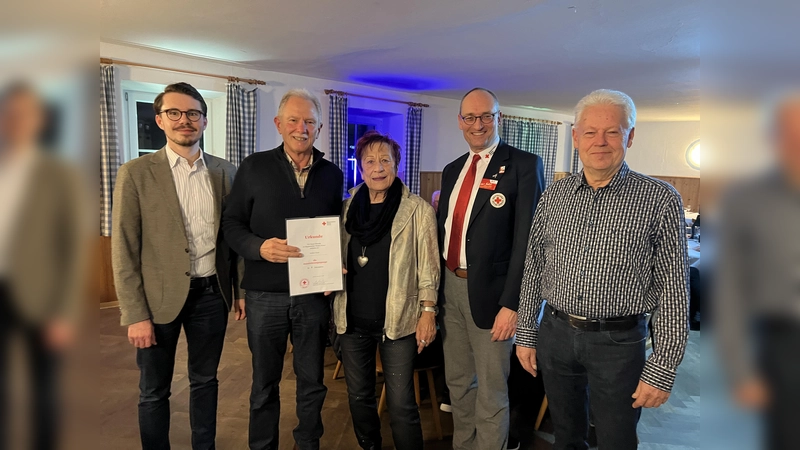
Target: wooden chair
437	422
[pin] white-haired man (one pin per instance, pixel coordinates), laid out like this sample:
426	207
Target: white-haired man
607	247
292	180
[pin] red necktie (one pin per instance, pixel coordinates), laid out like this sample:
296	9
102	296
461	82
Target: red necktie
457	227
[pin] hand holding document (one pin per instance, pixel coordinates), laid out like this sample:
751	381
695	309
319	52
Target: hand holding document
320	267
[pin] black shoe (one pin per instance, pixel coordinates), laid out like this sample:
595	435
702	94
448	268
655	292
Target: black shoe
513	444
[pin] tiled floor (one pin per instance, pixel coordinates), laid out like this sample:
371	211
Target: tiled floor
673	426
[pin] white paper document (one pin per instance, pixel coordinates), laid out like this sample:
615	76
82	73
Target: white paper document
320	243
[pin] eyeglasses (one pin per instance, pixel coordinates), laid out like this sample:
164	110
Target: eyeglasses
175	114
485	118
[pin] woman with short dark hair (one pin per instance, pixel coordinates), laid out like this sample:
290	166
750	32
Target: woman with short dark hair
389	301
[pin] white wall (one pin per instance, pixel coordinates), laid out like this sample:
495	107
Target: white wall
659	148
442	141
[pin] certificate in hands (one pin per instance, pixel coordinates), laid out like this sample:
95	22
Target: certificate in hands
320	243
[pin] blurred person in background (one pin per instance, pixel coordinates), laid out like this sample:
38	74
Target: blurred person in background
435	200
757	283
42	247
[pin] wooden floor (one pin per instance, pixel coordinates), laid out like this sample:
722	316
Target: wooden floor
673	426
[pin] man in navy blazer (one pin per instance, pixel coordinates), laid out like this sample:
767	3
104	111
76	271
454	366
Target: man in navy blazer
486	206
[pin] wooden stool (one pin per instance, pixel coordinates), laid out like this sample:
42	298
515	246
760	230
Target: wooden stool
542	410
437	422
337	369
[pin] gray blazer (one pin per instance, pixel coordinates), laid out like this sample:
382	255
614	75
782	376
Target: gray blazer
49	254
149	249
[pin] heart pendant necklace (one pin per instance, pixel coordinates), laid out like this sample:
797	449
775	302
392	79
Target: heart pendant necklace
363	260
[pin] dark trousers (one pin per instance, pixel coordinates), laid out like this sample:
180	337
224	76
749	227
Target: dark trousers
204	319
43	364
607	364
397	357
779	341
271	317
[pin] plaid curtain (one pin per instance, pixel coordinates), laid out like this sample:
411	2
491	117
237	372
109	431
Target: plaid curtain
534	137
241	123
109	147
413	143
576	161
338	133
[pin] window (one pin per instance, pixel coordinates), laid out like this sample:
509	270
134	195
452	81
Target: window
359	121
354	133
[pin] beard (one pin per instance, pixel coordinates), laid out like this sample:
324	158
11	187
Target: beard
185	141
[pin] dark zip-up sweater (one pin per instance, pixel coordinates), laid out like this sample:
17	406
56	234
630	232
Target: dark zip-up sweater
264	194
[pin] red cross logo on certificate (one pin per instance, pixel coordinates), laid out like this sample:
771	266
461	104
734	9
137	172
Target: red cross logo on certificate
304	283
324	223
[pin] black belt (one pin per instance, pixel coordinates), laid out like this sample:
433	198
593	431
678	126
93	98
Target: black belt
203	282
608	324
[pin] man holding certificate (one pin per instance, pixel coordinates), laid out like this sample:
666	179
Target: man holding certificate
289	182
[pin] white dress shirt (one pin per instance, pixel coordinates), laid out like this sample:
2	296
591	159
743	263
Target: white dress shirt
196	197
480	170
15	182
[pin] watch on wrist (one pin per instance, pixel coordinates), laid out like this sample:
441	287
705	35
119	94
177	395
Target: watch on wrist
433	309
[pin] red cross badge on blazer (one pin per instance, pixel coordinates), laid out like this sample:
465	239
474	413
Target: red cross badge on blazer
498	200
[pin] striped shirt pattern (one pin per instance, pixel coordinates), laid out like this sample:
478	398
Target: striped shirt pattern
616	251
301	174
196	197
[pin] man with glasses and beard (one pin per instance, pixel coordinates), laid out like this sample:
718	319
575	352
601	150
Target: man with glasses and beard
172	269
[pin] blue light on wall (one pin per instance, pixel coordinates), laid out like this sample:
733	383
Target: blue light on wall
401	82
352	169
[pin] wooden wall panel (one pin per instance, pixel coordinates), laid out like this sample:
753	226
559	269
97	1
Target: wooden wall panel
688	187
428	183
559	175
103	276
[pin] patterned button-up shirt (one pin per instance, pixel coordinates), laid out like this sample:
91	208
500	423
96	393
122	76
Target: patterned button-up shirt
301	174
615	251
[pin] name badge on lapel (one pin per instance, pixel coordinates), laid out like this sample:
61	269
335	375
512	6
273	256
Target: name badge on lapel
488	184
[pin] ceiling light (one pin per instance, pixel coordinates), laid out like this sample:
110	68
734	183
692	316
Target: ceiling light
693	155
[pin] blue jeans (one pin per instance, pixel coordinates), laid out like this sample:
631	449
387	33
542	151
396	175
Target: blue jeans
604	365
204	319
397	357
271	317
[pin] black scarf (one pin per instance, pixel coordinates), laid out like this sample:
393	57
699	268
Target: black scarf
359	224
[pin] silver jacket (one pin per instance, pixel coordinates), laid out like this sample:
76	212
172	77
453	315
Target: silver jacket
413	266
